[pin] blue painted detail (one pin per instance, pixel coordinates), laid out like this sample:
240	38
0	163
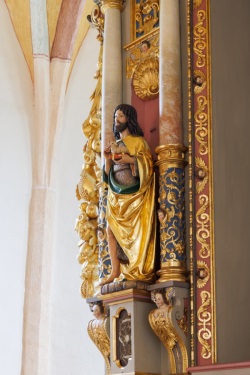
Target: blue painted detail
104	257
172	202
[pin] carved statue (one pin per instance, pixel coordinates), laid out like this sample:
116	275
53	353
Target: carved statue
98	332
169	328
131	194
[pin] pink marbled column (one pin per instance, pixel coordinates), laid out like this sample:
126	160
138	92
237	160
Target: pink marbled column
170	131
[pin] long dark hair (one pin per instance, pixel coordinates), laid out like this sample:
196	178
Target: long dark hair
130	112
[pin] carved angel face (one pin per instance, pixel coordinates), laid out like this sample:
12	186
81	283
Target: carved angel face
159	301
97	312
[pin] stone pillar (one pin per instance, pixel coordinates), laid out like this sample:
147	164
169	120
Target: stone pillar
111	97
112	65
171	152
51	72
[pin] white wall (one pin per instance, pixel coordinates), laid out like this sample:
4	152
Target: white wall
16	117
72	352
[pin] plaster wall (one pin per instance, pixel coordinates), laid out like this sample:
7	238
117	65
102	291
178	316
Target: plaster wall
230	54
71	350
16	118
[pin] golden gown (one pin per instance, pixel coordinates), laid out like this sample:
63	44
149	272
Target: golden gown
131	217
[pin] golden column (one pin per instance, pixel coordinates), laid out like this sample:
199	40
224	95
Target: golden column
171	152
111	97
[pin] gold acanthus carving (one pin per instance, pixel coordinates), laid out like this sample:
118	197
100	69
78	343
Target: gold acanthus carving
106	4
183	321
197	4
163	326
97	21
146	15
146	79
204	321
201	173
199	81
143	68
203	273
90	177
201	125
202	220
200	39
98	333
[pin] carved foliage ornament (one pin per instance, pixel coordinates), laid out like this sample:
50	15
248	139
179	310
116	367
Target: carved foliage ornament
98	334
206	303
146	16
165	324
146	79
143	68
90	177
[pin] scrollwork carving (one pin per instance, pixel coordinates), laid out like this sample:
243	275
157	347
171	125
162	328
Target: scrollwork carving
201	130
203	233
204	317
98	333
146	16
200	39
165	324
203	270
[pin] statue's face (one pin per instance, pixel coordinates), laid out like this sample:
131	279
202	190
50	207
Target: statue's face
97	312
120	121
159	300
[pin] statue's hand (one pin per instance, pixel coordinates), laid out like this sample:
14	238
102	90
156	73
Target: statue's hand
107	152
125	159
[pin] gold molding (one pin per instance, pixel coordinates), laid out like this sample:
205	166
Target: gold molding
171	156
202	270
172	271
137	42
116	4
125	295
114	334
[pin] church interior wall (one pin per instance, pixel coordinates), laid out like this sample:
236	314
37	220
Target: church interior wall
16	117
230	54
71	350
